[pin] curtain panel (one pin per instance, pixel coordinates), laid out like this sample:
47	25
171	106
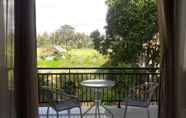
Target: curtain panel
3	72
180	57
7	106
172	26
167	105
25	71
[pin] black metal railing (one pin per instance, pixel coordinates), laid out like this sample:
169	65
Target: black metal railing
69	79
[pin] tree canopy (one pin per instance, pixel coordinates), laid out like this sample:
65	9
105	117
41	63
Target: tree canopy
96	37
130	24
66	37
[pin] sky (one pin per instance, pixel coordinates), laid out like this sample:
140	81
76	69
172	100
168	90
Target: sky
83	15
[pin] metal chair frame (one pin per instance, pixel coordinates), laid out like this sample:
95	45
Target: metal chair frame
145	91
65	101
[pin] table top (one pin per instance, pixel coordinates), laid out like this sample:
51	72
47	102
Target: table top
98	83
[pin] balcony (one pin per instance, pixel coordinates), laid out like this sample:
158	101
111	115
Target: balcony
69	79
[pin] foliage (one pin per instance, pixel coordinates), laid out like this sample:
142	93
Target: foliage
82	41
130	24
43	40
66	37
96	36
99	41
75	58
69	87
152	52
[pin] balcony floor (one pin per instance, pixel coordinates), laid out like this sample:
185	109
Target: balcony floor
132	112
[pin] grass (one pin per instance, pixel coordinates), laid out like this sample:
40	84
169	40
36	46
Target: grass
75	58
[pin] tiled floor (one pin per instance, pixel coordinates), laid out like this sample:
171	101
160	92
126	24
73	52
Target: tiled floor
133	112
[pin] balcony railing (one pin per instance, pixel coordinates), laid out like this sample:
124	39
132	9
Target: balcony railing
69	79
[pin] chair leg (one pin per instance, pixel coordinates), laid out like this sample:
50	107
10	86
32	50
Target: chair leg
98	112
81	114
57	114
148	113
48	108
68	113
125	112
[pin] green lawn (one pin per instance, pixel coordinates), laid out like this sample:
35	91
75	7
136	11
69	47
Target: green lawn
75	58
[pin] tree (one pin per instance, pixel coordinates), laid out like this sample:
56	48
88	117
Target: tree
82	40
43	40
69	38
152	52
130	24
97	38
66	35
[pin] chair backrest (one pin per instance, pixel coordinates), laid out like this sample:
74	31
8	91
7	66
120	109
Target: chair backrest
49	95
143	92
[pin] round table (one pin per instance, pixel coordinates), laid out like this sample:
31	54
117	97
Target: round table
98	85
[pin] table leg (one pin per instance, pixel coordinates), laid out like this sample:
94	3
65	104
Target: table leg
98	111
108	111
89	109
98	101
97	104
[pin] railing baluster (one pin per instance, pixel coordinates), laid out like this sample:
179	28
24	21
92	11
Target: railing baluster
124	77
103	93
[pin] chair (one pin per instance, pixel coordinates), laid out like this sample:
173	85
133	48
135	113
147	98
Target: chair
65	102
141	96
